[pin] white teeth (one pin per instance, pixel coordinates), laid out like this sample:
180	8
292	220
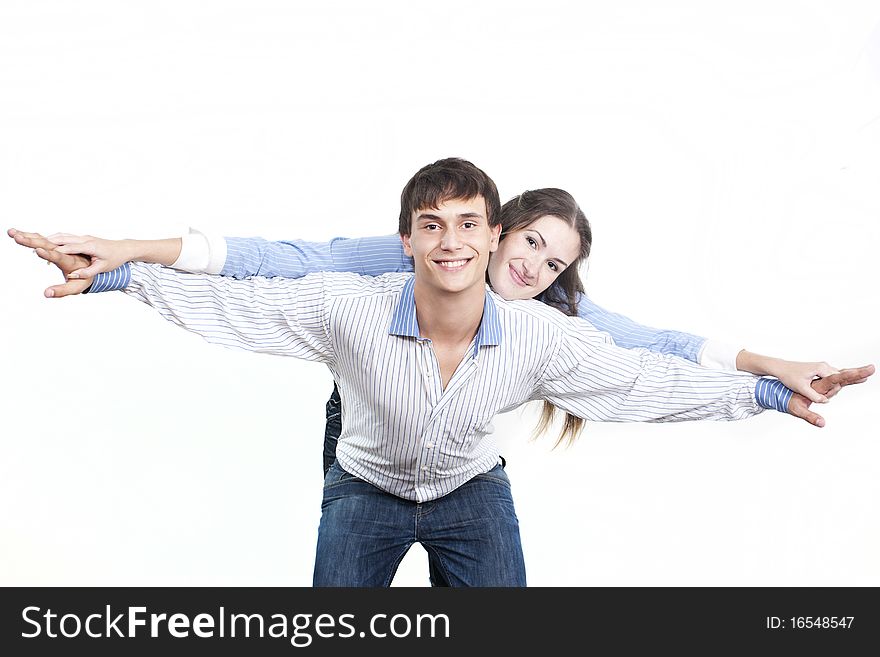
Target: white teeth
452	264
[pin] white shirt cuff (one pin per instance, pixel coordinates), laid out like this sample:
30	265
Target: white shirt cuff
217	257
718	355
201	254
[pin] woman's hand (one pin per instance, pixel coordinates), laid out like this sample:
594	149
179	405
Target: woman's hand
105	255
796	375
800	376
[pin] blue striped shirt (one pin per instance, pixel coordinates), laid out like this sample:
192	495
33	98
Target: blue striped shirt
402	431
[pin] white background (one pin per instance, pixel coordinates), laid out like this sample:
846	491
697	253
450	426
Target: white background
726	155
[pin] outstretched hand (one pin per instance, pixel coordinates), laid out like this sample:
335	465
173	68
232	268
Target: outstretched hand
827	386
800	377
66	262
104	255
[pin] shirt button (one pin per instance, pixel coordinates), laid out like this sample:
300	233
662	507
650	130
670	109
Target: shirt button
429	445
424	468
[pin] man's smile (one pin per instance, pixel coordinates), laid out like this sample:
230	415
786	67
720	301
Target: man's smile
453	265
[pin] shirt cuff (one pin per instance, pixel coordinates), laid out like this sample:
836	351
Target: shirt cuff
200	253
194	253
117	279
772	393
718	355
217	258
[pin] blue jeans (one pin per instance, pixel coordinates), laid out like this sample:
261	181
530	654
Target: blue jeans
332	431
471	534
333	428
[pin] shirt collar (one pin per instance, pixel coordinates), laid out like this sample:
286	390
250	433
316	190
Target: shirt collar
404	322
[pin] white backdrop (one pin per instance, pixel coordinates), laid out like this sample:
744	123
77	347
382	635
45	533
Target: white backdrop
727	157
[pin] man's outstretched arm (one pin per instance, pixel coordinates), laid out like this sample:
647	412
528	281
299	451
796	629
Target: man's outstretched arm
276	316
596	380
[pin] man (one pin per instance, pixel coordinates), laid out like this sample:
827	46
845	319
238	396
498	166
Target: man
424	362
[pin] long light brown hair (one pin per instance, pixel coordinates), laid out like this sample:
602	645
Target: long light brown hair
563	294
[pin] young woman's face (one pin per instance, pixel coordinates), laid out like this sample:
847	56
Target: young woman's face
529	259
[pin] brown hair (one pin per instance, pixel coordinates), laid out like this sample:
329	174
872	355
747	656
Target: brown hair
445	180
519	212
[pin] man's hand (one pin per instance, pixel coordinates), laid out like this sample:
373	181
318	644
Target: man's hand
828	386
67	263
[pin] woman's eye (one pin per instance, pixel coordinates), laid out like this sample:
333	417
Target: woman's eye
553	266
532	243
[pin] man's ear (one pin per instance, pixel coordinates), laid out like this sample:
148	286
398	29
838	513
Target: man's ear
407	248
496	234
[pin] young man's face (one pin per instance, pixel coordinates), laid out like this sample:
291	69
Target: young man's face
450	245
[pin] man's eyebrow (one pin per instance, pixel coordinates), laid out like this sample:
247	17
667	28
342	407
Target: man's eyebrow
544	242
463	215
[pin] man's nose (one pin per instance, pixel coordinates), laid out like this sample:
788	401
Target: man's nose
450	240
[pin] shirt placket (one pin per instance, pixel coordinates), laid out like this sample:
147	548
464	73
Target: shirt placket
441	402
431	379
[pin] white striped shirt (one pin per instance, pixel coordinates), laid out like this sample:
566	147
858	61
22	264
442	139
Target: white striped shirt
401	430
